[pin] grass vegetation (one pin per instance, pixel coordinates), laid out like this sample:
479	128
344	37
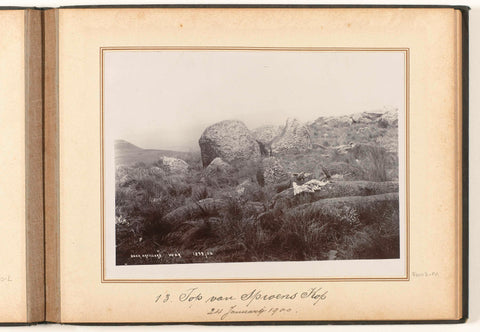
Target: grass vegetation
246	226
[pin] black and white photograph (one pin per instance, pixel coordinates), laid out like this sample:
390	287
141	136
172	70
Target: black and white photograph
255	155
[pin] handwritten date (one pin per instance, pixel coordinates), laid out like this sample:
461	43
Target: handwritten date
236	310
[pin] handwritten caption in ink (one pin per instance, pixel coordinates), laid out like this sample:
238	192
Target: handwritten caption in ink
254	302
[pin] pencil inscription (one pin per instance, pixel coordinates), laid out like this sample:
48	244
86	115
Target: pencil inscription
5	278
425	274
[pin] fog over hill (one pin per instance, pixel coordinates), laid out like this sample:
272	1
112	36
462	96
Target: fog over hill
165	99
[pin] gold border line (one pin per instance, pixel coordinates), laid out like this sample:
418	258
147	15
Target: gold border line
406	52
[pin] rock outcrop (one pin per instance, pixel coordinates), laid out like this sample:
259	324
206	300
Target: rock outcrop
174	165
333	121
217	167
125	175
244	187
365	206
271	172
230	140
389	118
265	136
295	137
206	208
287	198
385	117
365	117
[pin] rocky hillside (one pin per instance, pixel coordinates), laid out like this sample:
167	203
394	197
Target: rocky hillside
374	127
327	189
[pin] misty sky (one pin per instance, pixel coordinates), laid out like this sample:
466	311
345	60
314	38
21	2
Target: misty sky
165	99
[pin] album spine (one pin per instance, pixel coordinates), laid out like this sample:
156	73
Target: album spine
458	162
51	164
463	142
34	212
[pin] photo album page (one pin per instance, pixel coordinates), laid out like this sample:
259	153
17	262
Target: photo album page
256	164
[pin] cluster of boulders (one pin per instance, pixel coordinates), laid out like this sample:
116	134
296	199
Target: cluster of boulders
232	141
228	142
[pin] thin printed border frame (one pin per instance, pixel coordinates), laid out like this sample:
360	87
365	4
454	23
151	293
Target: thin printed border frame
406	52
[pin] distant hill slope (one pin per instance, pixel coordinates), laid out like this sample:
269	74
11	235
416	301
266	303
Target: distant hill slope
122	146
127	153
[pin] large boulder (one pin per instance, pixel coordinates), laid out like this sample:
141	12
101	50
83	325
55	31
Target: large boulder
230	140
295	137
271	172
218	167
